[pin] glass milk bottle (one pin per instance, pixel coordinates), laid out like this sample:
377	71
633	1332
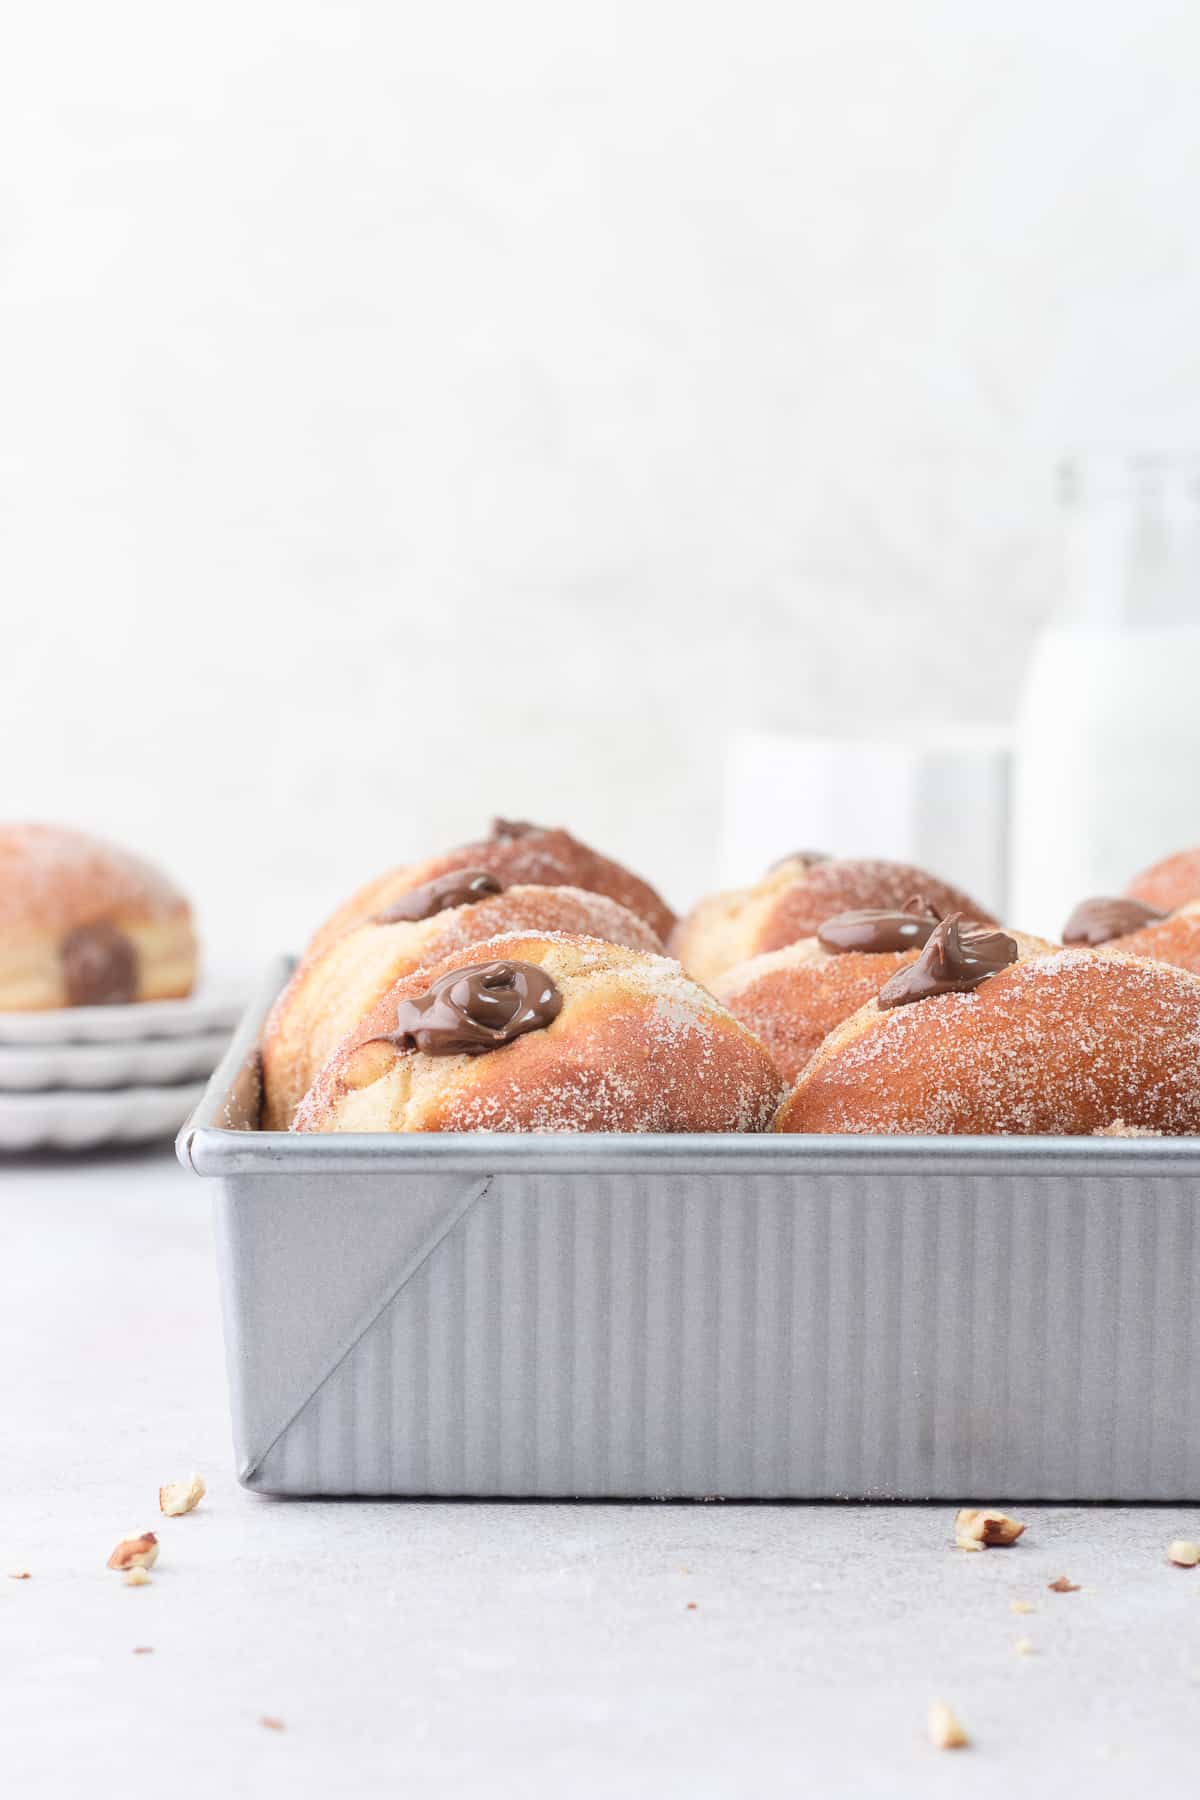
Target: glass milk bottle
1107	746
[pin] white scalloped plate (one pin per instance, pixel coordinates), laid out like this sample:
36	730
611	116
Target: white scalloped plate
157	1062
212	1009
80	1121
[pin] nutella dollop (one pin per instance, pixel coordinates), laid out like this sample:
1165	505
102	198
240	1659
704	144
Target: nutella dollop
504	830
99	965
959	956
461	887
876	929
468	1011
1101	919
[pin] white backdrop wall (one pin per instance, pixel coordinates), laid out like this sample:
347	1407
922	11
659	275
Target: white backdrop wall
412	412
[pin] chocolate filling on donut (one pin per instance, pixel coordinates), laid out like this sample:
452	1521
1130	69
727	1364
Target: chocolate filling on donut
469	1011
99	965
462	887
875	930
505	830
1101	919
959	956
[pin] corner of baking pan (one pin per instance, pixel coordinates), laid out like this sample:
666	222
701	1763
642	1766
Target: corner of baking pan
218	1140
234	1088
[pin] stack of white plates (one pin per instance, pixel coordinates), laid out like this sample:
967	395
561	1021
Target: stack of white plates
88	1075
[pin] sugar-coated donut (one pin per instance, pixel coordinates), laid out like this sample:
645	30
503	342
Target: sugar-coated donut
1069	1044
1132	927
83	923
546	1033
791	902
1106	919
331	992
1170	883
793	998
1174	940
518	854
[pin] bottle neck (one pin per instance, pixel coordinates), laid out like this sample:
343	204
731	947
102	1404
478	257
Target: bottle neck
1131	541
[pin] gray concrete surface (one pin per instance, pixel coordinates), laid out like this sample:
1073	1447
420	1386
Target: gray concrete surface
506	1649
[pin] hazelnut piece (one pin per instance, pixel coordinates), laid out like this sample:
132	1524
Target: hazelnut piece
945	1732
137	1551
985	1528
179	1497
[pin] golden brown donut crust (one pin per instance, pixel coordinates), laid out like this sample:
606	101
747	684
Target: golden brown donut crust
55	881
1175	940
1067	1044
793	998
330	993
1168	884
636	1047
793	900
542	858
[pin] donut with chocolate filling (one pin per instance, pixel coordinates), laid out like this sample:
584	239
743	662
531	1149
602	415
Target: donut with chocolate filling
546	1033
794	997
518	854
331	992
1105	919
793	900
1133	928
1070	1044
84	923
1175	939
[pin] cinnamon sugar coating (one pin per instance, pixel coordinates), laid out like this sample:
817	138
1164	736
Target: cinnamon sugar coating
331	992
1168	884
84	922
793	998
793	900
636	1047
1175	940
53	879
542	858
1067	1045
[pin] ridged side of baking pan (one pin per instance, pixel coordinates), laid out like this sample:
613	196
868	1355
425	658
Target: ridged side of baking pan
767	1318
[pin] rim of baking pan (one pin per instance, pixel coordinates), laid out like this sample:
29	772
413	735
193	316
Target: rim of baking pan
206	1146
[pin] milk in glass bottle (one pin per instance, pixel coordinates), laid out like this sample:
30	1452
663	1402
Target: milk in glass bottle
1107	747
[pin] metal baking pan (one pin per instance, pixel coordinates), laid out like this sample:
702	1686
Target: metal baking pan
765	1317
